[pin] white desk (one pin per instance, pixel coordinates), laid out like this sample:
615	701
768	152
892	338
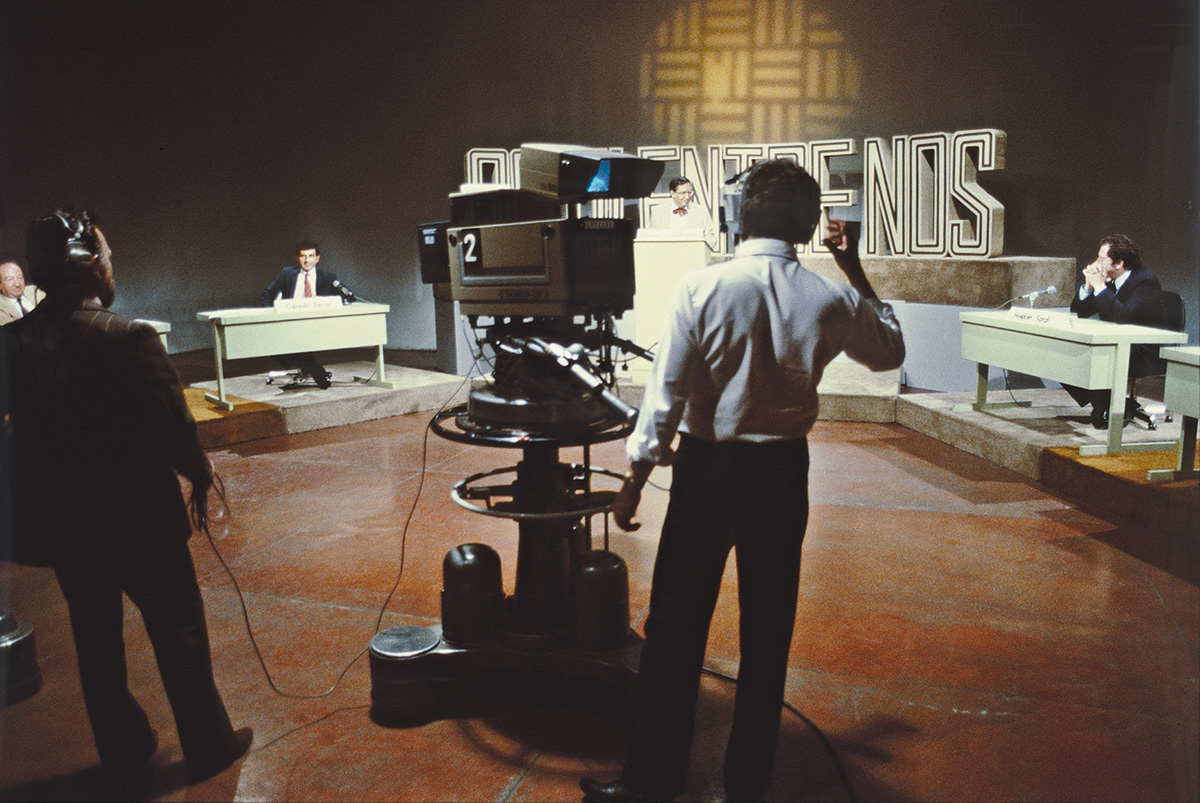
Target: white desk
1182	396
264	332
1086	352
162	327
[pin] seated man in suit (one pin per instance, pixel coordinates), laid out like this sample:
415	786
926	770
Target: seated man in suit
304	281
1119	288
16	298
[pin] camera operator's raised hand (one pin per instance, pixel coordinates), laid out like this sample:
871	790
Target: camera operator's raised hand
842	242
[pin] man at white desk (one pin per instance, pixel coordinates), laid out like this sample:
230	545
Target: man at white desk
304	281
682	214
1118	288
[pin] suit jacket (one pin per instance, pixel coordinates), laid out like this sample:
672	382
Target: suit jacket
99	428
9	311
1139	301
284	285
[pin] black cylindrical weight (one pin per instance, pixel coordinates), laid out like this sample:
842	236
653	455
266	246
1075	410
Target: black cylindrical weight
472	595
600	601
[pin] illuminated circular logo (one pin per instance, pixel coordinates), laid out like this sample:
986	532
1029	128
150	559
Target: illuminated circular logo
724	71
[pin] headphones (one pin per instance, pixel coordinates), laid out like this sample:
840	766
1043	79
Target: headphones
81	247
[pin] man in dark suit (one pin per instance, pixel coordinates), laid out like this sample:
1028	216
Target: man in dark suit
303	281
1118	288
99	429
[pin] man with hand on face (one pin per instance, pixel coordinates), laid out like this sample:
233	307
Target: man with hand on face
1118	288
100	433
304	281
736	375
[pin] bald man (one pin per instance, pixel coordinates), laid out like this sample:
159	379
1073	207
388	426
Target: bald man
16	297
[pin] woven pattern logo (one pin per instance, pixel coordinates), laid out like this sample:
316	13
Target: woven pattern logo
747	70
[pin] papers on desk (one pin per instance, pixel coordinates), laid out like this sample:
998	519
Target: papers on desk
670	234
315	302
1046	317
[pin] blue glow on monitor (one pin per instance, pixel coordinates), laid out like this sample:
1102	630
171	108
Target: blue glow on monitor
600	180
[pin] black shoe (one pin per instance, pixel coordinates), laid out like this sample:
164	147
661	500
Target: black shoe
203	770
1100	419
1132	408
615	792
321	377
132	775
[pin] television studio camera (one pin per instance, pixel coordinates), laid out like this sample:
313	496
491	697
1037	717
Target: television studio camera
540	286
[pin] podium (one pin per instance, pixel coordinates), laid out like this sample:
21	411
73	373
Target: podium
660	259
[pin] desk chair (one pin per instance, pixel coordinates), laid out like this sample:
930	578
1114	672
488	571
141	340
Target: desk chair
1174	312
292	377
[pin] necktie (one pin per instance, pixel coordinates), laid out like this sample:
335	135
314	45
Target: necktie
21	304
680	210
308	293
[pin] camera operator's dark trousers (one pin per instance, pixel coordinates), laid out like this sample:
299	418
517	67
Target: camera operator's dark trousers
752	498
165	590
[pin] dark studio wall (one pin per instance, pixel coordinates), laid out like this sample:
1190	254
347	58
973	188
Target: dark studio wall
209	137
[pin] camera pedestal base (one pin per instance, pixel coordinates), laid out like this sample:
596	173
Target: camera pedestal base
563	635
416	676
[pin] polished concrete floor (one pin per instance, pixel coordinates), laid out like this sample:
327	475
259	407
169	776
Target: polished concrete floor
962	634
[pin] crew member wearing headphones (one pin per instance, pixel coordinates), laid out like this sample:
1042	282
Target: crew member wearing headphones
99	429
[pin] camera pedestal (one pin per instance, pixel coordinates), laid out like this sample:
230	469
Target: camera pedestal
562	636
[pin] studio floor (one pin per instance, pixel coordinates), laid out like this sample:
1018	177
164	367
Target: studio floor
963	634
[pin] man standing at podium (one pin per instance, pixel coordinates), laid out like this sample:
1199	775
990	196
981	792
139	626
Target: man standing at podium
304	281
1118	288
682	213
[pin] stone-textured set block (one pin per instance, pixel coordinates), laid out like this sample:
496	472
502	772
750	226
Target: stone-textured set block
986	283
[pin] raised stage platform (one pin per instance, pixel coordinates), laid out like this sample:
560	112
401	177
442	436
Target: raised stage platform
1040	442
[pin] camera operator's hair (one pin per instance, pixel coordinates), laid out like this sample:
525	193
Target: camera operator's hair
780	200
1123	249
61	250
305	245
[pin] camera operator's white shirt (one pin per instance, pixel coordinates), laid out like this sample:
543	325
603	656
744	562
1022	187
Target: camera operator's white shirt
744	346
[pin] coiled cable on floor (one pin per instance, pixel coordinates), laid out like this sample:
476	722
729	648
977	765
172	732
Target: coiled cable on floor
198	514
843	776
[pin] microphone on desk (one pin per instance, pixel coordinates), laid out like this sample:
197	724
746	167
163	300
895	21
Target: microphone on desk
347	293
1029	296
1032	297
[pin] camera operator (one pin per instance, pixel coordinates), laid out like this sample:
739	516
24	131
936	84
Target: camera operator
736	374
